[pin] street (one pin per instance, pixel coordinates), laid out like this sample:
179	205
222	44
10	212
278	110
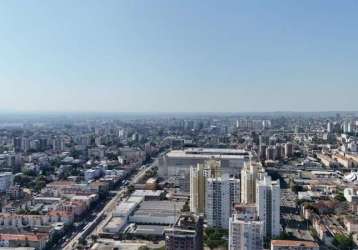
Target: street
93	227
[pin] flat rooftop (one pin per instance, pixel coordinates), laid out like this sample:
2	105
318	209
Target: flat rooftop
116	223
125	208
150	230
293	243
215	151
159	208
209	153
108	244
141	192
104	244
17	248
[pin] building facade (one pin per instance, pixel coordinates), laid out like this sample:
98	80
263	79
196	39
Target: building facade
198	176
268	205
221	194
248	183
6	180
180	161
186	234
293	245
245	230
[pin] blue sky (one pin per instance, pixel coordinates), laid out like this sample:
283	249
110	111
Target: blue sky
178	56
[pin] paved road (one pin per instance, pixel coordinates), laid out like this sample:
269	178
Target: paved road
106	211
112	204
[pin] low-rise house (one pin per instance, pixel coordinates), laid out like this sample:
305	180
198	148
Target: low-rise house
9	220
351	194
46	200
61	216
322	232
69	189
38	241
354	208
325	207
344	161
322	188
76	208
293	245
351	224
326	160
99	186
86	200
310	195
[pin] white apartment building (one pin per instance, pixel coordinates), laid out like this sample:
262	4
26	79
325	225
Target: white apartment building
221	194
245	234
350	194
245	230
268	205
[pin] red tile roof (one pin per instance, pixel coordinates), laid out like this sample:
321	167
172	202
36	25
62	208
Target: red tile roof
293	243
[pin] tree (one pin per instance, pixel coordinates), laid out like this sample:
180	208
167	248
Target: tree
186	207
23	180
82	241
314	233
285	236
343	242
111	156
30	173
148	174
296	188
340	197
75	153
40	182
131	188
215	237
94	238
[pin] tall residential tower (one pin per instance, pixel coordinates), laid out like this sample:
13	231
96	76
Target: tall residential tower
221	194
248	183
245	229
198	176
268	205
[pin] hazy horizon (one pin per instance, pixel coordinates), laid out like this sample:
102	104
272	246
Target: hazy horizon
178	56
175	112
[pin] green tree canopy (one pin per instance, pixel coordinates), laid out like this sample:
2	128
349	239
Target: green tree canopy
343	242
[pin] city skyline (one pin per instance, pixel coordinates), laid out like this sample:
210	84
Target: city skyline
178	125
179	182
178	56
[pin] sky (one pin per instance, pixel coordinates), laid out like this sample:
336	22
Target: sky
178	56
